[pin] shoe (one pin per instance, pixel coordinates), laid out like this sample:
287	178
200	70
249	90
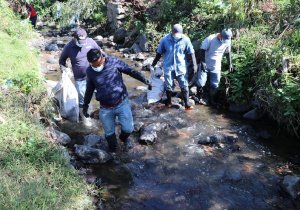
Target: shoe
169	99
112	143
128	144
189	108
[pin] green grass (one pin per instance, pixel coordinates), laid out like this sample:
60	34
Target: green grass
34	174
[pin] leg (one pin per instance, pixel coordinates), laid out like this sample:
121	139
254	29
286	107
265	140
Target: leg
214	84
184	90
201	81
169	85
107	118
80	87
126	120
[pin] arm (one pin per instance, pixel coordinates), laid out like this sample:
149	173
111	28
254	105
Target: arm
63	58
160	50
88	96
156	59
193	58
204	46
229	59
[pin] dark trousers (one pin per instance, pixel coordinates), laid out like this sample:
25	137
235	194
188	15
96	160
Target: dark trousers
33	21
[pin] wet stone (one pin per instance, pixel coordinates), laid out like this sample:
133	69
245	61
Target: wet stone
51	47
91	155
291	185
60	137
212	140
52	61
149	132
138	126
92	139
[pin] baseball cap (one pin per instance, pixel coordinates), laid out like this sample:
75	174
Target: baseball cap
177	28
81	35
93	55
226	34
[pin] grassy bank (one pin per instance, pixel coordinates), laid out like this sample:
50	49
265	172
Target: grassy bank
34	173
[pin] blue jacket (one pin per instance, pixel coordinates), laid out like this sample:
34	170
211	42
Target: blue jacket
111	90
174	53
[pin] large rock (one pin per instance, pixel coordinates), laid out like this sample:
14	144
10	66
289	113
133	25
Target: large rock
149	133
254	114
291	184
52	47
115	12
143	43
119	36
135	48
92	139
91	155
60	137
239	108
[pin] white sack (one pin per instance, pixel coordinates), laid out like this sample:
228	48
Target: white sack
158	86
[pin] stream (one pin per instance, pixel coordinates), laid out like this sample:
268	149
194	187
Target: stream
233	167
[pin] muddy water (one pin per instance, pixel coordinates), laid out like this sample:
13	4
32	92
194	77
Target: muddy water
178	173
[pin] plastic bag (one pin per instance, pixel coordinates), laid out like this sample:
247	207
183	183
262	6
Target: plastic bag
158	86
67	97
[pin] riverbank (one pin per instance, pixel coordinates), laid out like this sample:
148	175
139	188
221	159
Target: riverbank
34	172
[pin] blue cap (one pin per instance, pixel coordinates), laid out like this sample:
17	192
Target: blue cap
226	35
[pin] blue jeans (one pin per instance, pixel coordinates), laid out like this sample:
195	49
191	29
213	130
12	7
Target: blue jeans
169	80
108	118
80	86
214	78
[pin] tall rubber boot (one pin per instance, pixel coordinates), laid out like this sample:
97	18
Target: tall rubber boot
127	141
185	96
212	95
87	121
112	143
200	93
169	98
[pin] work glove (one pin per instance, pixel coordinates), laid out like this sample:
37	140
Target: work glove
231	68
149	85
203	66
85	112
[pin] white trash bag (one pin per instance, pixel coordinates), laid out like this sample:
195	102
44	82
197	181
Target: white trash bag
158	86
67	97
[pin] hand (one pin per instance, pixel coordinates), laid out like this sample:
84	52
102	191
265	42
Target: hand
152	68
203	66
149	85
195	67
85	112
231	68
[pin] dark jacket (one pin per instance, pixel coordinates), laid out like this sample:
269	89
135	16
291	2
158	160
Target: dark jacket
77	56
111	90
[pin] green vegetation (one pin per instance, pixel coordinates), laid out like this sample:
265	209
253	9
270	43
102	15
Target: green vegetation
34	174
264	33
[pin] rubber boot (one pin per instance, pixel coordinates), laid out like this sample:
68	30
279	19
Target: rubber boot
169	98
127	141
212	94
112	143
185	96
200	93
87	121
